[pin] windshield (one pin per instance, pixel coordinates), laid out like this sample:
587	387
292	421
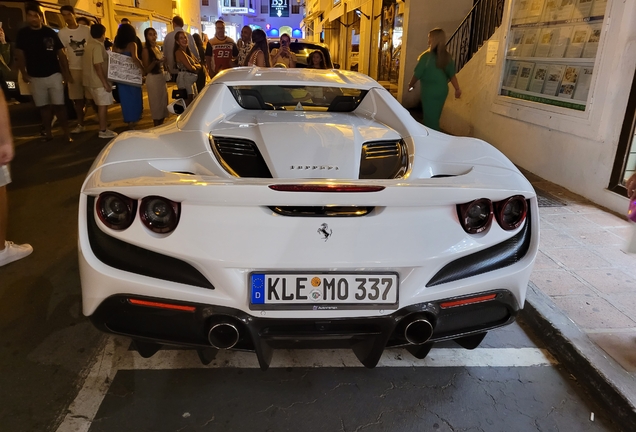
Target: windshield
298	97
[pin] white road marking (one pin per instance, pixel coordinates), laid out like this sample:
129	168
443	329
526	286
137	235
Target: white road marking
115	356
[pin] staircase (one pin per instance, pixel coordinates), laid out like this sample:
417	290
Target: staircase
478	26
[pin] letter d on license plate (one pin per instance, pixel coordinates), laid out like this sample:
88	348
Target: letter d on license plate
323	291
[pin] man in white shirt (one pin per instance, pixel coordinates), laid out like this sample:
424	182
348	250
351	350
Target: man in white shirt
74	37
168	44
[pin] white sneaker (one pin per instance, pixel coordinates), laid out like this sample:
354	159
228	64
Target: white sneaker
107	134
13	252
78	129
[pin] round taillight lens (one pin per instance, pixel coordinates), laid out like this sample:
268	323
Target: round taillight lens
511	212
159	214
475	216
116	211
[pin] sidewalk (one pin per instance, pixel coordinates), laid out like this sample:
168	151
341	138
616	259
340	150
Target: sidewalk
582	296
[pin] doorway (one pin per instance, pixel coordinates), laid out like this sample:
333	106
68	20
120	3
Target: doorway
625	161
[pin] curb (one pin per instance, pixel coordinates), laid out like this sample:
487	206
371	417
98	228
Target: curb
605	381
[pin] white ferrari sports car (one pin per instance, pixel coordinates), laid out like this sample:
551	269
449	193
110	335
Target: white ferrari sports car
303	208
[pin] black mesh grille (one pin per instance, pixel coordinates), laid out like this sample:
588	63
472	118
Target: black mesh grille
240	157
383	160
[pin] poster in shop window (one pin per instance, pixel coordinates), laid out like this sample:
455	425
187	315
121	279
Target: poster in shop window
598	8
583	9
583	86
561	41
525	73
545	42
511	76
553	80
529	42
591	46
580	35
564	10
568	84
538	78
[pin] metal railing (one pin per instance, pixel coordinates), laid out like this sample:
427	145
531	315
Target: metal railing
477	27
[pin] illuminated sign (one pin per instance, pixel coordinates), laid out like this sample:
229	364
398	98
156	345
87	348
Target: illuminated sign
235	10
279	8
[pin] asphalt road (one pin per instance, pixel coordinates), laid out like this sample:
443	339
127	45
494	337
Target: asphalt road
60	374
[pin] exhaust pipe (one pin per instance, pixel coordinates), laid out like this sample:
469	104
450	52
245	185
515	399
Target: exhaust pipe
418	331
223	335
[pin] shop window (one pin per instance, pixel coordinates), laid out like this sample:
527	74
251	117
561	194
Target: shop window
551	51
295	9
205	2
264	8
391	45
54	20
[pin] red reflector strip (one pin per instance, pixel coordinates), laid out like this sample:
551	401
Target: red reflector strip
162	305
463	302
324	188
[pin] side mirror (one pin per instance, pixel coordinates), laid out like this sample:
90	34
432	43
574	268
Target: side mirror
336	65
177	107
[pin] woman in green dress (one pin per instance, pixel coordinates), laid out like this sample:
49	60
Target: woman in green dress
435	68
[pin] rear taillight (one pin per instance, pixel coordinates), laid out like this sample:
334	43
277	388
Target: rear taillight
159	214
475	216
511	212
116	211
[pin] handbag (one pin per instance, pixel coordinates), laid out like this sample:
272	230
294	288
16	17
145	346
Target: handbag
167	76
186	79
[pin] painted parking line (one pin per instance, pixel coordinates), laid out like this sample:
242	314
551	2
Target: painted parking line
116	356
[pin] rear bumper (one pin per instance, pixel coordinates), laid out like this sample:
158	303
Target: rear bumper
367	336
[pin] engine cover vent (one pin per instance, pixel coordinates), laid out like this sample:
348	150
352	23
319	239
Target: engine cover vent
383	160
240	157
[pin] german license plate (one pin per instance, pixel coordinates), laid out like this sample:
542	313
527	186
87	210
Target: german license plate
323	291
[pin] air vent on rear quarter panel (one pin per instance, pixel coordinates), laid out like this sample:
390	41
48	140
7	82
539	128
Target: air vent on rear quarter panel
383	160
240	157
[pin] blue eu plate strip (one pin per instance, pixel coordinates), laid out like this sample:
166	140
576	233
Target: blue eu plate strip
258	288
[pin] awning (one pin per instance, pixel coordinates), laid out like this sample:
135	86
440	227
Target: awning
355	4
337	11
132	13
312	16
320	25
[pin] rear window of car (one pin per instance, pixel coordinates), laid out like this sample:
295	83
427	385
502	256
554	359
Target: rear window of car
298	97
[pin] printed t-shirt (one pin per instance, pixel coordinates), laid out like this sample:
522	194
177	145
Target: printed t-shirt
222	52
40	48
95	54
75	41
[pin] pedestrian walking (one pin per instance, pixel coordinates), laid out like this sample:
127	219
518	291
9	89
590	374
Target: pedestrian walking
154	68
130	96
74	37
203	75
169	44
244	45
9	251
44	65
220	50
95	73
434	69
259	54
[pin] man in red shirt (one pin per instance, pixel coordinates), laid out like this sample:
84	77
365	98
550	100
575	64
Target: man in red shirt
220	51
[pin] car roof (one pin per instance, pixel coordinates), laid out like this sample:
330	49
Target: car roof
304	77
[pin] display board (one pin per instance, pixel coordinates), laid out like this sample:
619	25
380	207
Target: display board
122	69
551	50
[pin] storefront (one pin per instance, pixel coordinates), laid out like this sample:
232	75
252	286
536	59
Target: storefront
141	19
557	99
